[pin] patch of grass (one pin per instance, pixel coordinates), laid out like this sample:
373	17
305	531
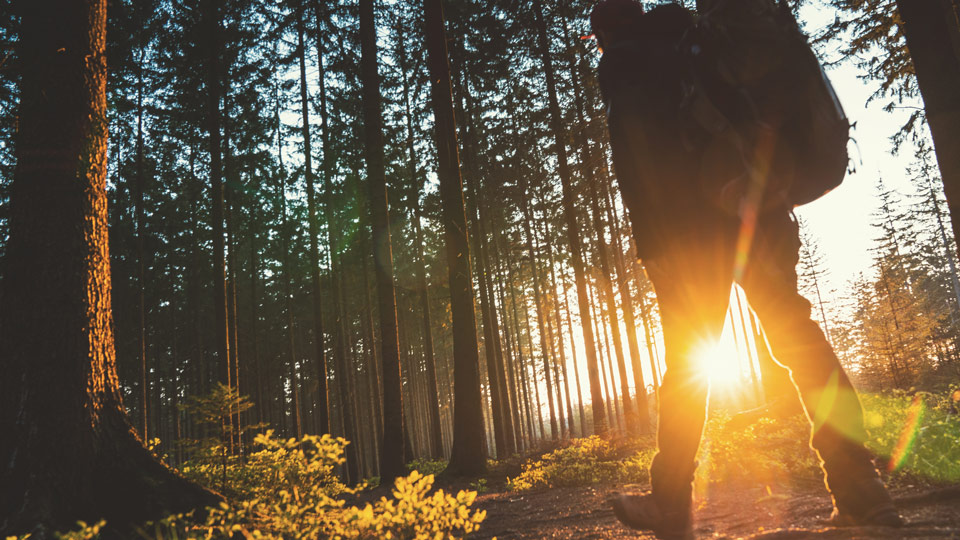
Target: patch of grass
918	433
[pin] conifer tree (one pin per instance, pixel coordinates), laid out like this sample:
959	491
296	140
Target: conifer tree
468	455
391	451
69	452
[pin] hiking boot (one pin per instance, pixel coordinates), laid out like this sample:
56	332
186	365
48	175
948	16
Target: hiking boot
644	513
864	503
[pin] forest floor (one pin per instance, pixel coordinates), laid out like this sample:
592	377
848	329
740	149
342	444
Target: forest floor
752	512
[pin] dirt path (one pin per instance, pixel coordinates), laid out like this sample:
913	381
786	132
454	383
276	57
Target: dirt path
745	512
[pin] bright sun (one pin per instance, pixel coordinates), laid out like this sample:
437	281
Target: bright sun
720	362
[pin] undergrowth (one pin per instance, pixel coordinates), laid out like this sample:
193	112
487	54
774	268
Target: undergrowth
768	451
586	461
917	434
914	435
427	466
289	490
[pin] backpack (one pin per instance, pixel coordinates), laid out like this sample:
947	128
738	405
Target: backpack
759	108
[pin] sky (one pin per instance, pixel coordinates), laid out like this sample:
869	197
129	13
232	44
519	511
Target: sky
840	221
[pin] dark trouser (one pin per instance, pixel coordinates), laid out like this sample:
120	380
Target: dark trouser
692	279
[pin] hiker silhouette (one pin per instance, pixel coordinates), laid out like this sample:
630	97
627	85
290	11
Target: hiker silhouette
711	203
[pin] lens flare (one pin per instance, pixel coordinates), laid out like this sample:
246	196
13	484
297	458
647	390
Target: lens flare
908	436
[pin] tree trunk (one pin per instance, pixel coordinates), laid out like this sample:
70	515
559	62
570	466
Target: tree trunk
930	27
433	405
369	337
606	284
68	451
559	327
647	322
521	364
544	344
391	450
141	308
506	361
211	27
500	399
746	345
232	311
573	353
573	229
255	315
498	408
774	378
469	453
323	398
629	318
286	232
435	435
342	359
612	405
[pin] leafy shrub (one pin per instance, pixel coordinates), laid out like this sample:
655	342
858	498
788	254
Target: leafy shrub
585	461
287	490
917	433
427	466
413	513
280	465
84	532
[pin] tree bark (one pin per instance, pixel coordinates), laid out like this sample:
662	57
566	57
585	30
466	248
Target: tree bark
286	232
521	368
211	27
606	282
506	360
629	317
391	450
68	451
930	27
141	309
255	316
433	405
573	353
500	398
469	453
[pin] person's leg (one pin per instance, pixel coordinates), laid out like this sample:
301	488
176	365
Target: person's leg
693	298
692	282
831	403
